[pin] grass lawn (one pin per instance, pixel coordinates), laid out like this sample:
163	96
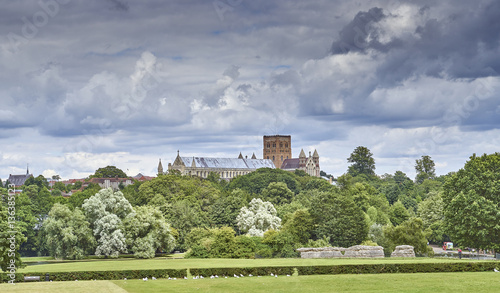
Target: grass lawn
435	282
165	263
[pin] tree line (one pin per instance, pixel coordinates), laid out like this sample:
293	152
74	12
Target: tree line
267	213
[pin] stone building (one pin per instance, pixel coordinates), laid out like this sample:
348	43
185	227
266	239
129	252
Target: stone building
277	148
310	164
226	168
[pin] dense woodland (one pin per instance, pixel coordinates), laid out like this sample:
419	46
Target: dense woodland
267	213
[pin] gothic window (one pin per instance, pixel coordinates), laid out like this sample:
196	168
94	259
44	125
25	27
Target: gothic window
273	158
281	144
268	145
268	157
286	144
282	158
274	144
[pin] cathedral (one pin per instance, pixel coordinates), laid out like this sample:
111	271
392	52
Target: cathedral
277	153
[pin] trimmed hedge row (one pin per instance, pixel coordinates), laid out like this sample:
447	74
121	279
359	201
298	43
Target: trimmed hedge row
256	271
101	275
398	268
263	271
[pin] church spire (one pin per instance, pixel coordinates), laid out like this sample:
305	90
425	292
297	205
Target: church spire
160	168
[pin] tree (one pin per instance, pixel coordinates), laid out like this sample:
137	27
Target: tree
431	212
68	233
277	193
410	232
226	208
398	213
56	177
105	211
9	242
362	162
471	200
147	231
425	169
108	172
300	225
259	217
338	218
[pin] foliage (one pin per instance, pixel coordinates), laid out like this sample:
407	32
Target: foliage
147	231
68	233
299	226
184	217
472	203
226	208
105	211
338	217
432	215
277	193
410	232
362	162
398	213
259	217
109	172
425	168
258	180
282	243
9	242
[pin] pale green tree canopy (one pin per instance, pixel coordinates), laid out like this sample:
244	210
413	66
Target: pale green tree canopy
258	217
362	162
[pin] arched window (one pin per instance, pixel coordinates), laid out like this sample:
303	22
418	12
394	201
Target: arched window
281	144
268	145
282	158
273	158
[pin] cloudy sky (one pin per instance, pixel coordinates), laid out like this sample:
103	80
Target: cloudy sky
90	83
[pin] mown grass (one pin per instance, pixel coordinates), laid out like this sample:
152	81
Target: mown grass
166	263
411	283
404	283
63	287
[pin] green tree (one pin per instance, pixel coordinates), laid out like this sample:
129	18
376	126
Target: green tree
226	208
410	232
277	193
431	212
147	231
258	180
425	168
362	162
68	233
471	200
398	213
109	172
300	226
338	217
9	242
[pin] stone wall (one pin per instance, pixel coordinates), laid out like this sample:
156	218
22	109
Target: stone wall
358	251
403	251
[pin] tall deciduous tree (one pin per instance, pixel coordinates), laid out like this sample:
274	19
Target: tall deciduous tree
362	162
148	232
471	200
425	168
339	218
68	233
259	217
105	211
109	172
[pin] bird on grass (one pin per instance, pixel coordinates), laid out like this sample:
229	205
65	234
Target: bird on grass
495	270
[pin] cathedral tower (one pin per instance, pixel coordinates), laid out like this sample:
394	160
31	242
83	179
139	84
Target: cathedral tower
277	148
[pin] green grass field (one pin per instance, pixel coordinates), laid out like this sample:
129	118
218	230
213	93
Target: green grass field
166	263
411	283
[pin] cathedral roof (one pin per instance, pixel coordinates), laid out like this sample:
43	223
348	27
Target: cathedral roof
227	163
291	164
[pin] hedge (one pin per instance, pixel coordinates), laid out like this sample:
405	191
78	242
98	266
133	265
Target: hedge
100	275
256	271
398	268
263	271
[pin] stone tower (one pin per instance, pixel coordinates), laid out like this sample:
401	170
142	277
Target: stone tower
277	148
160	168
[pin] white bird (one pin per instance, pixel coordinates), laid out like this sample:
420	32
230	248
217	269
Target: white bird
76	280
185	278
250	275
201	277
145	279
155	278
495	270
275	276
288	275
224	277
125	279
211	277
272	274
169	278
174	279
216	276
235	275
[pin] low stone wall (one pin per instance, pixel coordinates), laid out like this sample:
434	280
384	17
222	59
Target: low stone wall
403	251
358	251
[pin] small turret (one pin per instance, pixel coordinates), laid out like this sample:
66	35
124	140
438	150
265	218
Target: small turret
160	168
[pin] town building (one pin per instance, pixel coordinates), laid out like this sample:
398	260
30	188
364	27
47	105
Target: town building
18	180
226	168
